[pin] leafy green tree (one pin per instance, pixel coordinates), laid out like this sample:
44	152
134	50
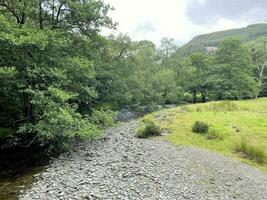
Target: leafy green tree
199	66
165	88
49	83
59	76
259	58
231	75
166	50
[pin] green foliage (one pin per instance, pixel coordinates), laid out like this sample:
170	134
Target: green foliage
58	73
7	72
102	118
136	108
231	77
252	152
165	87
149	128
187	97
48	75
200	127
61	95
199	67
57	123
151	108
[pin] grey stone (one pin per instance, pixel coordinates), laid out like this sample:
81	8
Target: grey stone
125	167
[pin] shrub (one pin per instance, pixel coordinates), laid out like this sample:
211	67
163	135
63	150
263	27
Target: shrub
200	127
59	127
213	135
102	118
251	152
187	97
149	128
58	123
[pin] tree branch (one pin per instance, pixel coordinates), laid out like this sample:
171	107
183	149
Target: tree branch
12	11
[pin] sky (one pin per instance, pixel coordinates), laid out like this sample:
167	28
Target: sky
181	20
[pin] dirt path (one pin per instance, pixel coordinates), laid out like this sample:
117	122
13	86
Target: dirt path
120	166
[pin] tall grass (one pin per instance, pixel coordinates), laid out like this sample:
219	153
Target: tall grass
252	152
213	135
223	106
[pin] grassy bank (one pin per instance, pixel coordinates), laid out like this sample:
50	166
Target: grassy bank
236	128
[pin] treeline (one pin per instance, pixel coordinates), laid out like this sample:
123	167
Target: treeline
60	78
160	75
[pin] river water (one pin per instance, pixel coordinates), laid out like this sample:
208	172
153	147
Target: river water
17	171
11	187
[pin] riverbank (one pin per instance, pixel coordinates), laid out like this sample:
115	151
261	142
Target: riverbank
17	169
121	166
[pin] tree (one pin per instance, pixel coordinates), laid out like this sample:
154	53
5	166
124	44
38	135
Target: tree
167	49
50	83
165	88
259	63
231	75
85	17
199	65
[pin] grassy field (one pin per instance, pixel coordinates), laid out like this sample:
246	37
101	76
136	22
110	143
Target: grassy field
236	128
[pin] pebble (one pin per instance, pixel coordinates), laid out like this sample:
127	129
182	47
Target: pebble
121	166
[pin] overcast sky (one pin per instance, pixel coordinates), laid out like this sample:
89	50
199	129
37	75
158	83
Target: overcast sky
183	19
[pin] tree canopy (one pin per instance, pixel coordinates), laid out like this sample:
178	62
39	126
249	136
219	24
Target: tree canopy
60	78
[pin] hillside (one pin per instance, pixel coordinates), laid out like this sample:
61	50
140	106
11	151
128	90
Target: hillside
200	42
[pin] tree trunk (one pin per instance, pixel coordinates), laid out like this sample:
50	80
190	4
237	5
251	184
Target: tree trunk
40	15
194	100
203	96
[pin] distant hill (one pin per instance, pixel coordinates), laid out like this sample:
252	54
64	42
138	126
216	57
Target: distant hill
203	42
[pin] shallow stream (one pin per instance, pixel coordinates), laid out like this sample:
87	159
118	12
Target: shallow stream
11	187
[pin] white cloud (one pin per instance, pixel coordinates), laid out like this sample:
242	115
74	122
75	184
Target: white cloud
154	19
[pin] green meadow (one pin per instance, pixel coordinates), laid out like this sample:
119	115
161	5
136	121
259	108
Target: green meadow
236	128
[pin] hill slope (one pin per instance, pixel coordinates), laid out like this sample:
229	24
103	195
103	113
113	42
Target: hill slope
200	42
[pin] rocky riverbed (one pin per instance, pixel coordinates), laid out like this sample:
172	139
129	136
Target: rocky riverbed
120	166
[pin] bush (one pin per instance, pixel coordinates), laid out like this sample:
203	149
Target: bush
59	127
251	152
187	97
58	123
150	128
200	127
102	118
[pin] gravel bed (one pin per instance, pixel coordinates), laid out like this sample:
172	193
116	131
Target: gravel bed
120	166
